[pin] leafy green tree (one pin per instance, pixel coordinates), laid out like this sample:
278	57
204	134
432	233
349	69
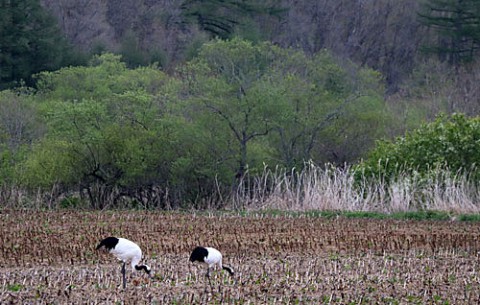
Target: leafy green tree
225	82
30	42
327	113
102	126
47	163
263	104
448	142
117	133
458	25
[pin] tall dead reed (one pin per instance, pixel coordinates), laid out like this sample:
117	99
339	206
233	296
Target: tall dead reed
335	188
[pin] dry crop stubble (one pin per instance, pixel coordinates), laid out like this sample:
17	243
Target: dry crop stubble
50	257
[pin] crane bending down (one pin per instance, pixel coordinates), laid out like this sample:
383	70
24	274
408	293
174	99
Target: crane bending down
210	256
126	251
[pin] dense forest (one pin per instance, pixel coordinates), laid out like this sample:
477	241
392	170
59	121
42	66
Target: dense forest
183	103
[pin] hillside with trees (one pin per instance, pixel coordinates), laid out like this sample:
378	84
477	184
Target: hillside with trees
405	41
172	104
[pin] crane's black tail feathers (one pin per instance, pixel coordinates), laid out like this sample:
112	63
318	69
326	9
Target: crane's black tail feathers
143	267
228	269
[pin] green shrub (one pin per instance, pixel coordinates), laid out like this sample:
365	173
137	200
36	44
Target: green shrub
70	202
451	143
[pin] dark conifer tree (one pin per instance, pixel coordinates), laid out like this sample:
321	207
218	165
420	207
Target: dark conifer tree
458	24
30	42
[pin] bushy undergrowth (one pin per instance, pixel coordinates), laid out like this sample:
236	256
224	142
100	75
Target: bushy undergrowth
448	143
313	190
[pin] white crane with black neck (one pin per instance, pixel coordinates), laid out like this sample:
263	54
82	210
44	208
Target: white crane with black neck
211	257
126	251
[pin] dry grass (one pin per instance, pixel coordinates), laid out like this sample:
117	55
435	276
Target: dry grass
316	188
50	257
312	188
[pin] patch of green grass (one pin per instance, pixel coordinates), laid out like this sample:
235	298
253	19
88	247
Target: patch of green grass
411	215
469	217
422	215
14	287
365	214
418	215
275	213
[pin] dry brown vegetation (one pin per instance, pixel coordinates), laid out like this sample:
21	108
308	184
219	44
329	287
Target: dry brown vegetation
50	257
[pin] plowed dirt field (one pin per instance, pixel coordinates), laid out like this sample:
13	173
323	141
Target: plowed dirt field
50	258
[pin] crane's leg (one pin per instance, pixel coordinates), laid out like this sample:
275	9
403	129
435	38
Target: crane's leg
207	275
124	277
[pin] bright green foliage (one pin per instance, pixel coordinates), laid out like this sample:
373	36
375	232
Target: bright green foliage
278	104
8	159
49	162
102	126
106	75
452	142
110	128
229	100
458	24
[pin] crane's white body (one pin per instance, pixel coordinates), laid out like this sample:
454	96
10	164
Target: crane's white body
209	256
127	251
214	258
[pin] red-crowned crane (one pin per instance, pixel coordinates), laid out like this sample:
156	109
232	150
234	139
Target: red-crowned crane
126	251
210	256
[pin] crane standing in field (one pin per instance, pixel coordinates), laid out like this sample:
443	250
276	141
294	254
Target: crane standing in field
210	256
126	251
